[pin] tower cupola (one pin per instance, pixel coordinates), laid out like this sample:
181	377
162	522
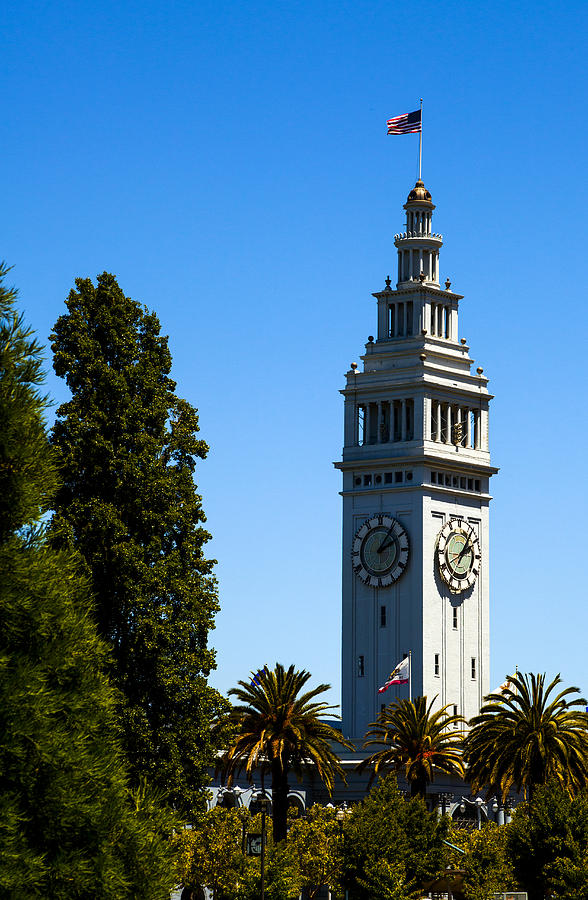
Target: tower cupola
418	246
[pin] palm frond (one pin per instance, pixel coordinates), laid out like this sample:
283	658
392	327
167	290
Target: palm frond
526	735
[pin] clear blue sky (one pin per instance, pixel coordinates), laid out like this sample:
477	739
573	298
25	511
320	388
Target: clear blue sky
229	162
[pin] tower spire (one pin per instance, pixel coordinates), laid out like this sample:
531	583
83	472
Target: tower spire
418	247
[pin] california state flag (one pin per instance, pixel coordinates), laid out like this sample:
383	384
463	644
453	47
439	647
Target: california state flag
398	676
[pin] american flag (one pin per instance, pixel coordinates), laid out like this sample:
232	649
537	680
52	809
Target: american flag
409	123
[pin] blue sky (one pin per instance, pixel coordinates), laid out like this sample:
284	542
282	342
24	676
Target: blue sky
229	162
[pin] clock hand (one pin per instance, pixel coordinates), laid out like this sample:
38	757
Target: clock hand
382	547
467	546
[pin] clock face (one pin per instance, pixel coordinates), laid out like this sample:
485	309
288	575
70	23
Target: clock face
380	551
458	555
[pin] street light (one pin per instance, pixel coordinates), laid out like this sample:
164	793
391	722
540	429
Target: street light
478	803
243	815
264	801
342	811
444	799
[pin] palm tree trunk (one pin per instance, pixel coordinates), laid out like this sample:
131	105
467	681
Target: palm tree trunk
279	802
418	788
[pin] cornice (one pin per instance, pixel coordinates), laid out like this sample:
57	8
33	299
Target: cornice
418	289
426	459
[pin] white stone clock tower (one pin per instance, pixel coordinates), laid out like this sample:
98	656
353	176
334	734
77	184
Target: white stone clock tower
416	471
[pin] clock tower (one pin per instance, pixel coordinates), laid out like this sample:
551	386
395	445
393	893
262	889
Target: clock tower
416	472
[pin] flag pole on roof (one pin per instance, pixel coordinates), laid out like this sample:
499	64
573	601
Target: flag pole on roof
409	123
421	141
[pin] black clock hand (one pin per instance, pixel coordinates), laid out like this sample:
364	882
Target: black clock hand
383	546
467	546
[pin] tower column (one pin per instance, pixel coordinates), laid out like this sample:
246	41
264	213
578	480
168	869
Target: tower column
438	435
449	418
469	423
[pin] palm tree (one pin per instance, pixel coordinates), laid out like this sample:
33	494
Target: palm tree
524	737
417	742
280	730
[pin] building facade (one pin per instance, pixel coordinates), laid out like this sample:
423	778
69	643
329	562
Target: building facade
416	472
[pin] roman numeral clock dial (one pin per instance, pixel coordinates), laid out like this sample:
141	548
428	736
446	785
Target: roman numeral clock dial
380	551
458	555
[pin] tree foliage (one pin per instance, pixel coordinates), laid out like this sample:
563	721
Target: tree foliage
315	844
525	736
416	742
485	863
210	852
548	844
128	448
69	827
212	858
279	730
388	837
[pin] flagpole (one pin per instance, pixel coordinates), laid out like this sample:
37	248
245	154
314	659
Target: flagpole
421	141
410	675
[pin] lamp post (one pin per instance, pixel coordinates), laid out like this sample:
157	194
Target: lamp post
444	799
264	802
340	815
478	803
243	815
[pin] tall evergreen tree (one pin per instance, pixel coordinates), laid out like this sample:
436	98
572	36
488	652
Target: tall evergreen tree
69	826
128	447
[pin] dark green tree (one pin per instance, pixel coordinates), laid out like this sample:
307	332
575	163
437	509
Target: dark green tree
547	843
128	448
69	826
390	839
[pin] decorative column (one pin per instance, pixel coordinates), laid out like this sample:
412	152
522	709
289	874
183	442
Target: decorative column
469	421
438	436
368	424
452	328
449	423
477	423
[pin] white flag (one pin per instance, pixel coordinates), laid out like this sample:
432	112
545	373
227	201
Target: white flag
398	676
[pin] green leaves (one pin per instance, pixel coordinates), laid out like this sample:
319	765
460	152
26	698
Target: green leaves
128	448
417	742
525	736
69	827
547	842
280	730
27	473
392	844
